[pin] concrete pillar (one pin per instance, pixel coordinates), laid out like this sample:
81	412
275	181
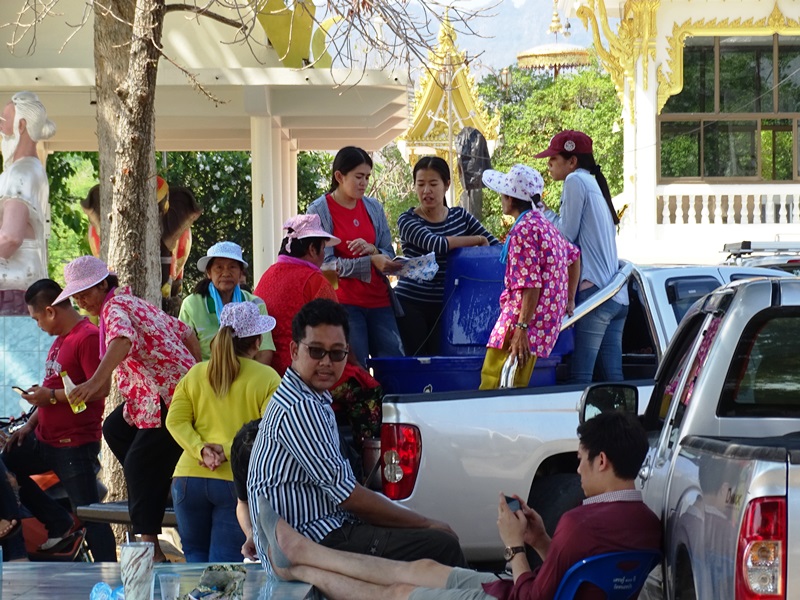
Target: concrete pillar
277	192
286	179
263	196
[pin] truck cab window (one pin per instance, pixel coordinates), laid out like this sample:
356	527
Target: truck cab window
763	379
682	292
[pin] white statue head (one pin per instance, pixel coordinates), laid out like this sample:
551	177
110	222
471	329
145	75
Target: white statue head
26	106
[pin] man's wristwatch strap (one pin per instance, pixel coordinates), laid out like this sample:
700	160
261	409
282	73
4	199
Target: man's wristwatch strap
53	399
511	551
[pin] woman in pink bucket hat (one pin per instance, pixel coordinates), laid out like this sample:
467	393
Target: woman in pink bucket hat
211	403
149	351
587	219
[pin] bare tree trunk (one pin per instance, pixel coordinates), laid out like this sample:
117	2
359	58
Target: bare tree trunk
125	78
112	37
134	240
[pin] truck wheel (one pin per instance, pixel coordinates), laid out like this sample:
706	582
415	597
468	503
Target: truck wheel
684	584
552	496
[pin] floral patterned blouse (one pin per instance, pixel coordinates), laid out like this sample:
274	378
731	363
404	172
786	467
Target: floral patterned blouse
538	257
156	361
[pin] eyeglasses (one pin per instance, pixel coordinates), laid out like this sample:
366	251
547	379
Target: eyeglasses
318	353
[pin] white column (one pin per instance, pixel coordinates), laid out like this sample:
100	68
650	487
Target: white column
263	196
277	191
293	179
286	179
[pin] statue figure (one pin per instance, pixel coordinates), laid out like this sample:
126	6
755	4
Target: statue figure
178	209
24	205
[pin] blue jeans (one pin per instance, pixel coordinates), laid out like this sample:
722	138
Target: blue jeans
206	512
76	468
373	332
598	339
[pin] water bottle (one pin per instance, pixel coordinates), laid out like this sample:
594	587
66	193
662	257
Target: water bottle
68	387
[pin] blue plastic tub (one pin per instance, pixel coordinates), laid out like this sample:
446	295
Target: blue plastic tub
411	375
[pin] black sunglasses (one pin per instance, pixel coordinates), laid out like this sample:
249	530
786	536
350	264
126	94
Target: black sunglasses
318	353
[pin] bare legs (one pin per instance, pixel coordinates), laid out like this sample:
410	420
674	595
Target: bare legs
346	575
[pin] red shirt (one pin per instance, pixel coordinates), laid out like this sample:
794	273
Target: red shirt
584	531
350	224
77	354
285	287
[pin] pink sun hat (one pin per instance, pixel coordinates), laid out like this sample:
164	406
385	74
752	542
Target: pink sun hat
245	319
307	226
81	274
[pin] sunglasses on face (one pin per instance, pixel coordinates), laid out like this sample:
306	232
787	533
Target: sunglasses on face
318	353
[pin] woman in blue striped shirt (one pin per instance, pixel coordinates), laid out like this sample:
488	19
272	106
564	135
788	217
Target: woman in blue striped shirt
431	227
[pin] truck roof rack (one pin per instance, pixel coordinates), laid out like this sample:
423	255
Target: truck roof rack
746	247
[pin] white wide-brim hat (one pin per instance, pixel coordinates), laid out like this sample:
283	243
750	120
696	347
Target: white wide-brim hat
245	319
222	250
521	182
81	274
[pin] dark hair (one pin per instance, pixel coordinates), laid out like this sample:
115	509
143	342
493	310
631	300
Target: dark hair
300	247
433	163
41	294
241	449
347	159
112	281
586	161
521	205
620	436
319	312
201	287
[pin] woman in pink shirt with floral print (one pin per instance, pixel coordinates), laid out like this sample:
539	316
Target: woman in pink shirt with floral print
150	352
542	271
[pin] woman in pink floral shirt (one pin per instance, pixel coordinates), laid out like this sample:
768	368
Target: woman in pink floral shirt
542	270
150	352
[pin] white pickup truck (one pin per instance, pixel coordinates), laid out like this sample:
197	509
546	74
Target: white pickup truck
723	470
448	454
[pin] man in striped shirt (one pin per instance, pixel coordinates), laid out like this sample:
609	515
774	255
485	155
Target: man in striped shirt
296	462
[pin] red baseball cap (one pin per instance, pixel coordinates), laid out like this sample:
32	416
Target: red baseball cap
572	142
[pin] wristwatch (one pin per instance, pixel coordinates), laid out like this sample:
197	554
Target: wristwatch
53	399
511	551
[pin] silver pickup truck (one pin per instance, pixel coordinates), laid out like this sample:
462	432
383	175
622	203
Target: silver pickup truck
448	454
723	471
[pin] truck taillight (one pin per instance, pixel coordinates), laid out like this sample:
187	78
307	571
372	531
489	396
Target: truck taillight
761	556
401	446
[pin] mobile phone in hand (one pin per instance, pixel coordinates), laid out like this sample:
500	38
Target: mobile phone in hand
18	389
513	504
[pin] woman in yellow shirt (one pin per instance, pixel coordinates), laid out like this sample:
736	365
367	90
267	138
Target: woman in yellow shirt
211	403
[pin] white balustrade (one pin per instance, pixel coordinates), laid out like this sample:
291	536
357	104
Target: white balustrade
728	204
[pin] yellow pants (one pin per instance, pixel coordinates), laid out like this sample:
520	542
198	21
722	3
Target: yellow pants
493	367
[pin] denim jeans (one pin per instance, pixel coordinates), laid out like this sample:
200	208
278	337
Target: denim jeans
76	468
598	339
206	512
373	332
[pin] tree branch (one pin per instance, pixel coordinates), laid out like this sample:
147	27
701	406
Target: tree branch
203	11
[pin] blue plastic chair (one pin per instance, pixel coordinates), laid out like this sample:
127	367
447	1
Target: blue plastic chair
621	575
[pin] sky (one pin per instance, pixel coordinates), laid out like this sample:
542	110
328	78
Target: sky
515	26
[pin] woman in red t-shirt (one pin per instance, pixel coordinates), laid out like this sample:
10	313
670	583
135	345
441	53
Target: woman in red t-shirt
363	258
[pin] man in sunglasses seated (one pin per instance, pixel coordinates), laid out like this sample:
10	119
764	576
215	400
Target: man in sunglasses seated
297	465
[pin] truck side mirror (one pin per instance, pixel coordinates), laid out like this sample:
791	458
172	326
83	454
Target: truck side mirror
605	397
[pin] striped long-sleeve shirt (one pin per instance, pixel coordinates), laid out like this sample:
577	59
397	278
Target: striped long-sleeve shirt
297	464
420	237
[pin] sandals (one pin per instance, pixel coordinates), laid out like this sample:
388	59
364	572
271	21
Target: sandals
16	527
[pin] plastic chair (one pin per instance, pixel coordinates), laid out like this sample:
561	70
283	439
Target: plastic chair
621	575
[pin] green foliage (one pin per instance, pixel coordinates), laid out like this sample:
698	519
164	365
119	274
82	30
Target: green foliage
391	183
585	100
71	175
221	183
313	177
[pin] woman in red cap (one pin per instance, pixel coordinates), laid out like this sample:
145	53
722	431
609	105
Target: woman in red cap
587	219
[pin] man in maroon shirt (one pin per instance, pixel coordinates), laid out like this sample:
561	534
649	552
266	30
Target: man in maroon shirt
55	438
611	449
